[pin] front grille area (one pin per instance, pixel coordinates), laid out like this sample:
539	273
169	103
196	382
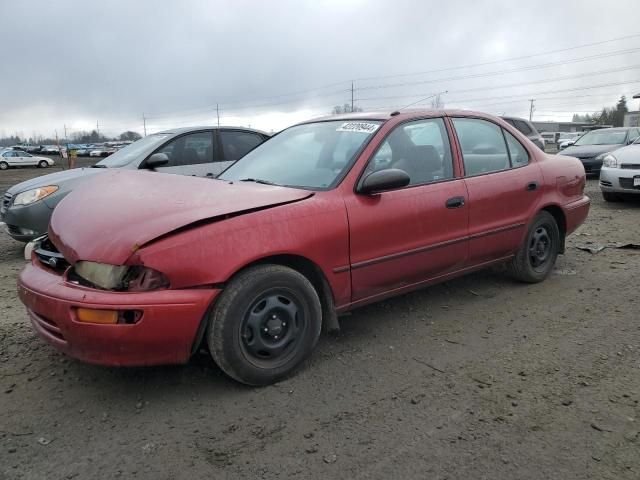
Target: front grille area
49	256
628	183
630	166
605	183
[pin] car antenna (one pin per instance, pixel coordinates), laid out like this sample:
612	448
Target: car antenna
419	101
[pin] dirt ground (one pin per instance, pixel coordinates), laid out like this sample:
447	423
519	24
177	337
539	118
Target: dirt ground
478	378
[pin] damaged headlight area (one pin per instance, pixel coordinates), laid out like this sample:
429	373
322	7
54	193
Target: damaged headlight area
120	278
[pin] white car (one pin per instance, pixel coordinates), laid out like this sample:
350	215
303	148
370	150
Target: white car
620	173
18	158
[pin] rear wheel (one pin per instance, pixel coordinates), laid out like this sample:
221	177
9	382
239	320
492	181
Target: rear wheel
43	164
4	165
265	324
611	197
537	255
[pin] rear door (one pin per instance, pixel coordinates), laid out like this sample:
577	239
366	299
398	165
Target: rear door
503	184
403	237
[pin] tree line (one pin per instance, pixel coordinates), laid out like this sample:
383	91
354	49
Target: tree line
77	137
607	116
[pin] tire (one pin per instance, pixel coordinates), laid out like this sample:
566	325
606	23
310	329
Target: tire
537	255
43	164
257	307
610	197
4	165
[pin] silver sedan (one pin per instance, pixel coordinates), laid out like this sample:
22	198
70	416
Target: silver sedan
620	174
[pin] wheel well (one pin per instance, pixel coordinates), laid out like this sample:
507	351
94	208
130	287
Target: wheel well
560	219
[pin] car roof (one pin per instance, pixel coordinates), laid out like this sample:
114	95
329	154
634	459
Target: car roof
402	114
175	131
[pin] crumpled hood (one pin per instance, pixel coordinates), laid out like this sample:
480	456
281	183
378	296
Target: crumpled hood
54	179
588	151
110	217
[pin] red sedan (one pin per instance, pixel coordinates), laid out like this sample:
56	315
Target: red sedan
140	268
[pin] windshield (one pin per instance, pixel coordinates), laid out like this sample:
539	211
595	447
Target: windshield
132	152
603	137
313	155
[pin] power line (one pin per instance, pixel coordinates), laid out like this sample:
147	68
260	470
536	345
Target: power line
494	62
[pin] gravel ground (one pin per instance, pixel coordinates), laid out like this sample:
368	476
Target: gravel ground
478	378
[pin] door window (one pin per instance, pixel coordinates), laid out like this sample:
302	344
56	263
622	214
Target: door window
517	152
189	149
523	127
236	143
483	146
420	148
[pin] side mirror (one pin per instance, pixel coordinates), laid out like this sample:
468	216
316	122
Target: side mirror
387	179
156	160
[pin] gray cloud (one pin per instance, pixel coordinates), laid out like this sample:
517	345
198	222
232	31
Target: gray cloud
76	62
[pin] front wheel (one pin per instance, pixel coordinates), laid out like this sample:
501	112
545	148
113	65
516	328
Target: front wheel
265	324
537	255
4	165
43	164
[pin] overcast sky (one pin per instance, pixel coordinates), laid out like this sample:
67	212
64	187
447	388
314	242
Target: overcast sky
270	64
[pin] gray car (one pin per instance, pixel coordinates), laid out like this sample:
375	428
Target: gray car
592	147
620	174
526	127
199	151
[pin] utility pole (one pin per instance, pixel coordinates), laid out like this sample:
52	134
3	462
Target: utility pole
531	108
144	124
218	114
65	132
98	129
351	96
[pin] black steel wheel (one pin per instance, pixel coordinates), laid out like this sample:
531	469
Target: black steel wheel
537	255
265	324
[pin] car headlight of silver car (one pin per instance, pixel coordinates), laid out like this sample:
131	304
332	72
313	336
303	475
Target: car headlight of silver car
129	278
608	160
35	194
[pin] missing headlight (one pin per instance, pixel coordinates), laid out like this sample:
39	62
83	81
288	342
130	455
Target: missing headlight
117	277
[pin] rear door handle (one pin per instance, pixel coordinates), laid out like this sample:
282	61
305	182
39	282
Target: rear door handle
532	186
455	202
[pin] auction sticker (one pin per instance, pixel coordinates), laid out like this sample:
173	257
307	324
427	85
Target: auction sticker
358	127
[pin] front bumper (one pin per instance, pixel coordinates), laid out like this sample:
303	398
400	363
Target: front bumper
619	180
591	165
164	334
24	223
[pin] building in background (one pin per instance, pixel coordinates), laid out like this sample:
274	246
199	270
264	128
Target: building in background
566	126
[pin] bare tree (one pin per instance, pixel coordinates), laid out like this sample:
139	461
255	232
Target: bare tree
437	103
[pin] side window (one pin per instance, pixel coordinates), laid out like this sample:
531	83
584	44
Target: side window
523	127
517	152
634	134
236	143
420	148
189	149
483	146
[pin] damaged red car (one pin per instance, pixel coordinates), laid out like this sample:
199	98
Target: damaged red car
143	268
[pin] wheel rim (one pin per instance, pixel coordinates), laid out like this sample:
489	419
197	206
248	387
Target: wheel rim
272	328
540	247
3	166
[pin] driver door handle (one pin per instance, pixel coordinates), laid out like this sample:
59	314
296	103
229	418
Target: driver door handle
455	202
532	186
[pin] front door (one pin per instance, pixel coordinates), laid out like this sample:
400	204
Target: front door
404	237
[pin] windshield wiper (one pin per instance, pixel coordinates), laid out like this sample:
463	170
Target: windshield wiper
98	166
257	180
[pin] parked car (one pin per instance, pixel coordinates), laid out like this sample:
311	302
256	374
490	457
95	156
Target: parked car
550	138
103	151
85	150
326	216
527	128
50	150
620	173
592	147
202	151
567	139
20	158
